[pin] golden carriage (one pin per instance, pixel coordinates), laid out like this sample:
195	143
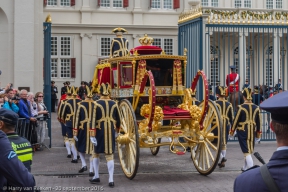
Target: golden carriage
154	103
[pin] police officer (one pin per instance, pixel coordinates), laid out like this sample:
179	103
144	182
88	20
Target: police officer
248	125
54	92
254	179
227	114
12	170
108	120
119	45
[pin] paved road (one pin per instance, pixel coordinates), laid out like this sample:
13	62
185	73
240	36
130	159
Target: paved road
164	172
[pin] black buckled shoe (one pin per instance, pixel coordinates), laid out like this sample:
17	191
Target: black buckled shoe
83	169
78	157
74	161
94	181
91	174
111	184
68	156
222	164
188	149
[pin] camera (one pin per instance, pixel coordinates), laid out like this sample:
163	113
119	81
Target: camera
47	116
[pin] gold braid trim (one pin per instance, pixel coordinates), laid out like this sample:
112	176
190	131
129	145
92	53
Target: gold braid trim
174	91
140	75
179	76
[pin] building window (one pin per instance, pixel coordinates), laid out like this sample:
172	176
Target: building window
274	4
269	65
161	4
117	3
61	57
105	3
105	46
112	3
236	62
209	3
214	65
65	2
242	3
165	43
52	2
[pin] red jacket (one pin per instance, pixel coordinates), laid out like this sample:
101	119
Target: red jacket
232	82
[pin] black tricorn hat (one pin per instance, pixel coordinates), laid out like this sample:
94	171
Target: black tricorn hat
278	107
83	83
65	83
52	82
220	90
68	82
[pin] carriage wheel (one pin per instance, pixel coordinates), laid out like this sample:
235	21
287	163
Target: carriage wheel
155	150
127	141
205	154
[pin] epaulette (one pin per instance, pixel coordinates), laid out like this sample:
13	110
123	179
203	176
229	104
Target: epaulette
253	167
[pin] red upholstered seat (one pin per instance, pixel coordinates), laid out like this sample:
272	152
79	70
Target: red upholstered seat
168	111
147	50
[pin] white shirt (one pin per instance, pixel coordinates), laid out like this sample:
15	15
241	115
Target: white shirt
282	148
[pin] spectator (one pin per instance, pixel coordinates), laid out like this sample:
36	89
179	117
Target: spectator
25	112
42	115
8	102
54	92
8	86
34	113
12	170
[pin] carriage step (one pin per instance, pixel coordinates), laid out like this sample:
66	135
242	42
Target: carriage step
180	153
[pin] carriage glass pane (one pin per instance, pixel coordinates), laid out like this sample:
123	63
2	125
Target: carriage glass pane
205	3
115	77
51	2
167	4
53	46
105	3
156	4
65	3
65	68
126	75
54	68
117	3
65	46
278	4
105	46
237	3
269	4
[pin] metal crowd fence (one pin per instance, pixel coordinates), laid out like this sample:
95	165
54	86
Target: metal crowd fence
35	133
267	133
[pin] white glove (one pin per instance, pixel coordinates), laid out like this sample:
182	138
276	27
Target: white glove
75	138
94	141
231	137
257	139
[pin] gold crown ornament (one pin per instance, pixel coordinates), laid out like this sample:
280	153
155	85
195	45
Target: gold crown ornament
146	40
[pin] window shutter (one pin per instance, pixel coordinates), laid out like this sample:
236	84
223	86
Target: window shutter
99	3
150	6
125	3
73	67
72	2
45	2
176	4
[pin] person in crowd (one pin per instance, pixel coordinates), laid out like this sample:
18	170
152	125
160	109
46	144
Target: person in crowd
8	102
279	84
107	121
276	170
61	105
232	80
54	92
257	97
248	125
85	119
20	145
34	113
43	115
227	114
64	88
12	171
69	115
82	92
246	85
8	86
25	112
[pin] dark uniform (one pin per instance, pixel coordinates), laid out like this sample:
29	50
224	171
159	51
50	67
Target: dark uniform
69	116
54	92
252	180
257	98
82	90
12	171
211	96
107	121
119	45
227	114
64	89
248	125
22	148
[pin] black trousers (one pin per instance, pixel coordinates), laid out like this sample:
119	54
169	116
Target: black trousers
53	103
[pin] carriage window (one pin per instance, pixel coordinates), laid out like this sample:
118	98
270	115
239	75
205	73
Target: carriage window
126	75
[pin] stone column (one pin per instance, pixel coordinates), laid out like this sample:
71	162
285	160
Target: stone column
85	12
242	59
85	57
276	59
137	13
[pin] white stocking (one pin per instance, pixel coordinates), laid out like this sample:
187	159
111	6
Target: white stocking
91	164
249	161
220	159
223	152
96	167
110	165
245	165
68	147
73	149
82	157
